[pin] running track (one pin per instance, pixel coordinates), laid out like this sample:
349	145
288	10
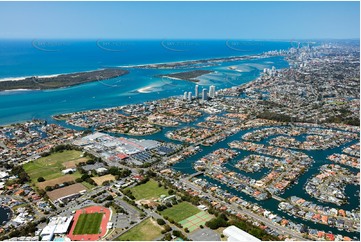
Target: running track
103	225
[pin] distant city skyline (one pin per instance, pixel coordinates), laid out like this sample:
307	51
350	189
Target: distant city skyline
180	20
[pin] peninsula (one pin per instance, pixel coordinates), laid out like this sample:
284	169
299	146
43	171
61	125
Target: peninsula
64	80
196	63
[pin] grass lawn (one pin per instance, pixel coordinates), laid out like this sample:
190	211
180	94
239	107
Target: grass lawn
180	211
88	223
50	167
147	230
87	185
148	190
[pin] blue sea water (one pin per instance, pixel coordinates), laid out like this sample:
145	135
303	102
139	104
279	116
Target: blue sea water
19	58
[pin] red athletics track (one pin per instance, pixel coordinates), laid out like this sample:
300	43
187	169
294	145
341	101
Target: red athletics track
103	225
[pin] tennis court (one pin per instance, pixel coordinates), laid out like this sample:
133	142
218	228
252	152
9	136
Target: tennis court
193	222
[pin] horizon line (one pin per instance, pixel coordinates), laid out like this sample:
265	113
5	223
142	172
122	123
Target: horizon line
175	39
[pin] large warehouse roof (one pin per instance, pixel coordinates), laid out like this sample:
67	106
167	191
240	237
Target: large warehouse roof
57	225
238	235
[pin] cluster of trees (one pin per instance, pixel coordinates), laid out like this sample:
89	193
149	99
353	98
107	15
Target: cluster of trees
100	200
60	148
87	178
7	166
128	193
119	172
22	176
145	180
220	221
64	147
275	116
115	171
56	186
98	194
108	198
26	230
169	204
146	165
131	202
119	209
192	199
344	118
224	220
173	222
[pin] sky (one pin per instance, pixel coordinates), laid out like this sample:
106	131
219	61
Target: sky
180	20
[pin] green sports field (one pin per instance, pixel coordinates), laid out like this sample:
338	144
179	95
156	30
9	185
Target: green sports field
50	167
88	223
180	211
148	190
147	230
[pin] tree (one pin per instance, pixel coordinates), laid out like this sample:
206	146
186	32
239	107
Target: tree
41	179
215	223
160	208
41	192
84	177
91	181
176	233
167	237
48	188
160	221
167	228
20	173
107	204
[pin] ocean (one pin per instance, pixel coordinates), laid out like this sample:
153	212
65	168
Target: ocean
21	58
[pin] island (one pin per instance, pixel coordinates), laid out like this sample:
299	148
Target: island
188	75
64	80
197	63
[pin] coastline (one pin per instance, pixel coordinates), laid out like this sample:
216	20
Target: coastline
60	81
20	78
52	119
186	63
48	115
182	61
